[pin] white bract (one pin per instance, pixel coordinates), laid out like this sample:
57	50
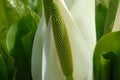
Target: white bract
80	26
83	12
36	61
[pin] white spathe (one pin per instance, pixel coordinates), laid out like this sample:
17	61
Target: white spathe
37	51
83	12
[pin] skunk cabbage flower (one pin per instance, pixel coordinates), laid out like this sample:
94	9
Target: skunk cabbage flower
61	49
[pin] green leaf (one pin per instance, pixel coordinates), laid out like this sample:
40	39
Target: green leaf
7	18
9	62
105	16
36	5
3	69
23	10
19	40
11	13
25	1
100	19
106	57
27	42
6	13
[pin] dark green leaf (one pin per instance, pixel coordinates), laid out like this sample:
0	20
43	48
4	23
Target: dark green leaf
9	62
3	69
105	16
20	38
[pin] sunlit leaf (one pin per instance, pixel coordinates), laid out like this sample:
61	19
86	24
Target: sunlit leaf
106	57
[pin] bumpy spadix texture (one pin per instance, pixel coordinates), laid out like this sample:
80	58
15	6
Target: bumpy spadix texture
47	9
62	42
